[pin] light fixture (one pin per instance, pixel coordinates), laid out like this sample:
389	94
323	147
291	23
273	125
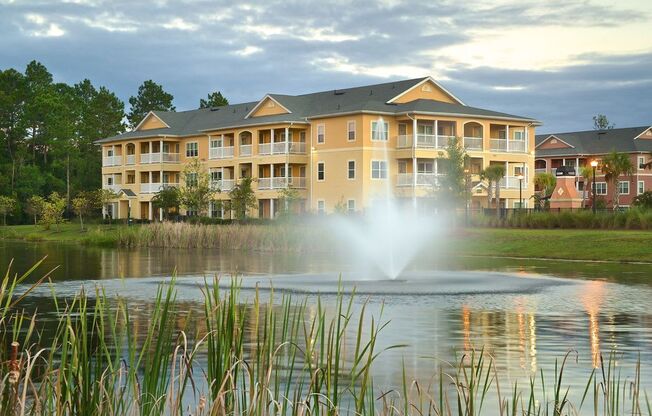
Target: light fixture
594	163
520	177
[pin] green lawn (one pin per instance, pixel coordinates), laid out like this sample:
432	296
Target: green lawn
572	244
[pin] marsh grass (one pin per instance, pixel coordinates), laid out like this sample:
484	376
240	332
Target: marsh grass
278	356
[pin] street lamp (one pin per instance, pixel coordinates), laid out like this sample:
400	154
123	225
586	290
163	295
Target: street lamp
594	164
520	178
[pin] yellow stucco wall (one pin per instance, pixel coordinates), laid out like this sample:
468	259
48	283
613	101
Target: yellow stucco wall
427	91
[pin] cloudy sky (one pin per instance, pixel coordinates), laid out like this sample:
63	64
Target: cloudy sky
561	61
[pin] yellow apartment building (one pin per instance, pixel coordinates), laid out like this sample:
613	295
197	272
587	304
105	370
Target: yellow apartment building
343	147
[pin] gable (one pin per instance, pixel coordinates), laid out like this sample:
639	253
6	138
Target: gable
425	90
553	142
151	121
647	134
268	107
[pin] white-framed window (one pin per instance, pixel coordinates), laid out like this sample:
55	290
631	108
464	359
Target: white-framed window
191	179
623	187
402	166
641	162
216	210
321	171
378	169
350	206
379	131
214	143
517	204
640	188
109	152
191	213
321	207
402	129
425	167
350	130
519	135
216	175
601	188
109	180
302	136
192	149
350	169
321	133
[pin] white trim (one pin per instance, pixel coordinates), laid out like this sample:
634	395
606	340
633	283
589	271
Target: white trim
628	187
426	79
643	132
317	175
253	110
355	131
323	201
552	136
606	188
197	143
638	187
348	206
355	170
146	117
323	125
371	128
371	169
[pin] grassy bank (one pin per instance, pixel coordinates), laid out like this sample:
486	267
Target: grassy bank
571	244
274	357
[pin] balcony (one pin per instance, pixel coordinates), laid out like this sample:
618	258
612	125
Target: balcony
115	187
510	146
111	161
281	182
424	141
512	182
131	160
280	148
245	150
540	170
422	179
159	158
223	185
473	143
154	187
220	152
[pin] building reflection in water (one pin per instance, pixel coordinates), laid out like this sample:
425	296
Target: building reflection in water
592	298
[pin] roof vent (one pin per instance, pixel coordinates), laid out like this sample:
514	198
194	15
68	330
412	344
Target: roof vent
371	92
338	106
393	86
215	108
336	92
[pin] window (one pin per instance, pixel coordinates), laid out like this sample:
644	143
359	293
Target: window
321	207
216	209
321	171
402	166
641	187
379	130
641	162
191	213
519	135
350	126
425	167
351	169
109	180
216	175
214	143
402	129
109	152
192	150
623	187
378	169
191	179
321	133
601	188
350	206
302	136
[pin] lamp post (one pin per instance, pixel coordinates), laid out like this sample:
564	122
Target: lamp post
594	164
520	178
467	197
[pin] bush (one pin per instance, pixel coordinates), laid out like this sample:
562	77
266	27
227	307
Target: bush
634	219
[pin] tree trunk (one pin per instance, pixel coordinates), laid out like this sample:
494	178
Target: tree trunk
81	222
68	183
616	202
498	199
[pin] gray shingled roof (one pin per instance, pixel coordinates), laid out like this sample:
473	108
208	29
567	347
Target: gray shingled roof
598	142
370	98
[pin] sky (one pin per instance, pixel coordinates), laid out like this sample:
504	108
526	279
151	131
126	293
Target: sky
559	61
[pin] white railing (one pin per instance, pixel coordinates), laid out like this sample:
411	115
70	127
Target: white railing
245	150
223	185
503	145
473	143
154	187
170	157
297	182
115	187
297	147
220	152
512	182
279	182
278	147
442	141
112	161
404	141
265	148
264	183
426	140
423	179
131	159
540	170
158	157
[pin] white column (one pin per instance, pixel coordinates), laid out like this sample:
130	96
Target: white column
271	141
436	133
271	208
160	149
113	157
507	137
414	161
436	167
150	216
271	175
160	214
506	176
150	180
117	210
287	143
287	174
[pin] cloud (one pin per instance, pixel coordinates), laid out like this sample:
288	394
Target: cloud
560	61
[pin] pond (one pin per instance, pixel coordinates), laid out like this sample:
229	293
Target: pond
594	309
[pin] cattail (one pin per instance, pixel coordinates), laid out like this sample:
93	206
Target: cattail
14	365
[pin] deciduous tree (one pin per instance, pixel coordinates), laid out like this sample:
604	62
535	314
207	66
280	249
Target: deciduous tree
242	198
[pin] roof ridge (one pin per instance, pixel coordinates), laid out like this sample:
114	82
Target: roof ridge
363	86
594	130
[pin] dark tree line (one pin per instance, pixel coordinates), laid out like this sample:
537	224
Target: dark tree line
48	130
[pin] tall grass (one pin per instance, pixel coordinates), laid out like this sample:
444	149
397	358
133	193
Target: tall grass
632	219
263	357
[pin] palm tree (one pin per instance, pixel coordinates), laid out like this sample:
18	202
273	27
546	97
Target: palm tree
586	172
493	174
546	182
615	165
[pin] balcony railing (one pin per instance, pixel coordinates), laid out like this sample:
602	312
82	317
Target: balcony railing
220	152
223	185
131	160
426	141
265	148
264	183
112	161
159	157
423	179
154	187
512	182
279	148
404	141
540	170
473	143
297	147
245	150
281	182
503	145
115	187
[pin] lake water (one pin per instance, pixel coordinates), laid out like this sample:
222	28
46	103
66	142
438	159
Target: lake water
594	309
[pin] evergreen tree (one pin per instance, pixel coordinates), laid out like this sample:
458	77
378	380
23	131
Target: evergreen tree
151	97
214	99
